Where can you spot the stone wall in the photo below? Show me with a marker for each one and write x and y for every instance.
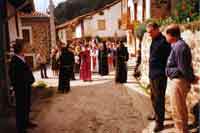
(40, 30)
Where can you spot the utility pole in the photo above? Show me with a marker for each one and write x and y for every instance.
(52, 23)
(3, 64)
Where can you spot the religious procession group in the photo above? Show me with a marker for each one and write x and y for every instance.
(88, 57)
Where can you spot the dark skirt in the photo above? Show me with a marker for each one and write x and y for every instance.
(103, 67)
(65, 75)
(77, 68)
(55, 64)
(121, 73)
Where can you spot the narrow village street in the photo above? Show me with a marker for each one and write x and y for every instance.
(105, 43)
(100, 106)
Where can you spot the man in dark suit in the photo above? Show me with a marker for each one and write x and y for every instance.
(21, 78)
(159, 52)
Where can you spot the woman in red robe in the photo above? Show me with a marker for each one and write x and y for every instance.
(85, 66)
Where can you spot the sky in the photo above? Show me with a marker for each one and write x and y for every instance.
(42, 5)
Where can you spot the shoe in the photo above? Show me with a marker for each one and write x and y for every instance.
(31, 125)
(158, 128)
(151, 117)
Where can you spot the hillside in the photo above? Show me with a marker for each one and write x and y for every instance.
(72, 8)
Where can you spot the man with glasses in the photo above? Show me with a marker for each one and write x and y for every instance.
(159, 52)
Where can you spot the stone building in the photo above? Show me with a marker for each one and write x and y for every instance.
(35, 30)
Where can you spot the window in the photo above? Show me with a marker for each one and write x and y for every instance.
(101, 25)
(27, 35)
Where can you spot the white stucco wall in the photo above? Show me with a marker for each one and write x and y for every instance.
(89, 27)
(62, 35)
(139, 10)
(78, 31)
(111, 16)
(148, 9)
(131, 5)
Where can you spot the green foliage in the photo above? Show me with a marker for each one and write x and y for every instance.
(183, 10)
(40, 84)
(186, 11)
(140, 30)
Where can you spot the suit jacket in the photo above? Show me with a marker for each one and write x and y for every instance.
(21, 75)
(159, 52)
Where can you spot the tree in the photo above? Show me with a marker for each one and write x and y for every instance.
(72, 8)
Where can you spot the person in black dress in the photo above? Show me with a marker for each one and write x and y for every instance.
(103, 60)
(66, 69)
(121, 68)
(21, 78)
